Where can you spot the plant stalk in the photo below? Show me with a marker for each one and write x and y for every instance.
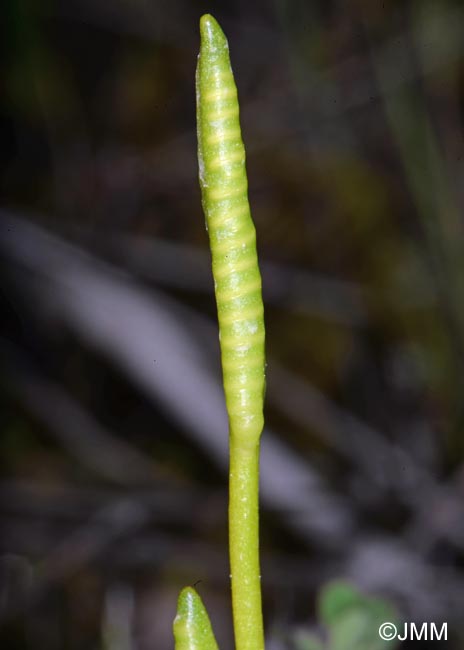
(244, 545)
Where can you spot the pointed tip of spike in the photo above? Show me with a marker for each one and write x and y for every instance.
(211, 33)
(208, 24)
(186, 598)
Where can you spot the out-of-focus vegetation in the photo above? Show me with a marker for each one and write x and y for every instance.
(114, 435)
(352, 621)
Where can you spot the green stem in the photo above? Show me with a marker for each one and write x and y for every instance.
(237, 280)
(244, 545)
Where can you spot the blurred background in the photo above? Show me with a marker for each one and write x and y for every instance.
(113, 428)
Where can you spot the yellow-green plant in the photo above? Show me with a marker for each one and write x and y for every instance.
(237, 280)
(192, 627)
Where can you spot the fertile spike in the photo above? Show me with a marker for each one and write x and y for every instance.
(224, 187)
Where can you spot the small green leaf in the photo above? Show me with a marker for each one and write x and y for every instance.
(353, 619)
(335, 598)
(355, 631)
(192, 627)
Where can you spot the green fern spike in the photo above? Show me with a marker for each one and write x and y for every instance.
(237, 280)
